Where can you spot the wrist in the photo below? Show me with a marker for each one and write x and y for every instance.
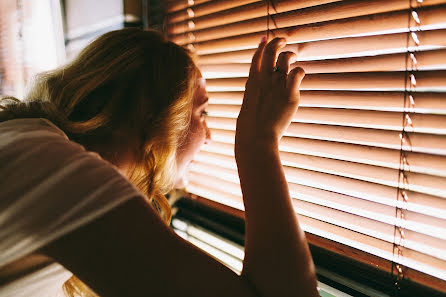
(255, 149)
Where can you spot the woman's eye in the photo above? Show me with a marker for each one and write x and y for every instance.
(204, 113)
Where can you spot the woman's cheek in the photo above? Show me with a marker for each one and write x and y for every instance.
(199, 137)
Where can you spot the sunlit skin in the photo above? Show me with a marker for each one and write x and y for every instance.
(198, 133)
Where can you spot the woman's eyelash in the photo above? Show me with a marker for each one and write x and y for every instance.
(204, 113)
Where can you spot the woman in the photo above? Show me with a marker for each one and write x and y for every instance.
(139, 102)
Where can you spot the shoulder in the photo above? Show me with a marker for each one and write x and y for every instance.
(50, 186)
(36, 147)
(26, 126)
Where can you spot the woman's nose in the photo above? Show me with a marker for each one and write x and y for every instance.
(208, 134)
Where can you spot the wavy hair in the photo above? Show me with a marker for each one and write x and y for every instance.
(127, 93)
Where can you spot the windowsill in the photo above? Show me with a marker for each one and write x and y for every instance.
(339, 266)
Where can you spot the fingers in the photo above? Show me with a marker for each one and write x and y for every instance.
(283, 66)
(284, 61)
(293, 83)
(270, 55)
(256, 59)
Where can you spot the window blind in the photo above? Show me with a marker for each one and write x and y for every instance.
(365, 155)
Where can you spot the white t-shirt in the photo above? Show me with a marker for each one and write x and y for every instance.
(49, 186)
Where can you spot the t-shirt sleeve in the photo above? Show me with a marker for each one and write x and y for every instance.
(49, 187)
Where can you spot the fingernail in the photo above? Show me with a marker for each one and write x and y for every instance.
(293, 59)
(263, 39)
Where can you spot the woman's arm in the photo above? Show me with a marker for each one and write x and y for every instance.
(277, 259)
(131, 252)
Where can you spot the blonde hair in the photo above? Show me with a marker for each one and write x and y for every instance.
(128, 91)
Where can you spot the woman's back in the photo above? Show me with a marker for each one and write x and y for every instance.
(50, 186)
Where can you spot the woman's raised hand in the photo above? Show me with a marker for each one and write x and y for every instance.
(271, 97)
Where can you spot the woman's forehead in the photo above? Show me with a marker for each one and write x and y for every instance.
(201, 95)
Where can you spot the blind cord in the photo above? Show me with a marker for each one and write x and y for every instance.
(267, 19)
(270, 17)
(403, 182)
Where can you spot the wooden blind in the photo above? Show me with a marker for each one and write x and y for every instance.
(365, 155)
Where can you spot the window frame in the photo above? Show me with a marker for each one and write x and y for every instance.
(342, 267)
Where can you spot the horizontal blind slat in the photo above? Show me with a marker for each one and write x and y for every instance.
(322, 49)
(421, 123)
(390, 80)
(432, 59)
(324, 13)
(175, 5)
(425, 102)
(200, 8)
(240, 13)
(389, 22)
(421, 143)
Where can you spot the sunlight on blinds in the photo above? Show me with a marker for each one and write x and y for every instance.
(365, 155)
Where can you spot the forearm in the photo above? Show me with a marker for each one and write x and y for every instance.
(277, 258)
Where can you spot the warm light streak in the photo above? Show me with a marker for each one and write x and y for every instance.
(211, 195)
(225, 89)
(345, 224)
(182, 234)
(218, 74)
(219, 150)
(205, 236)
(333, 292)
(420, 89)
(429, 230)
(224, 101)
(218, 242)
(440, 273)
(431, 211)
(231, 262)
(230, 164)
(406, 147)
(180, 225)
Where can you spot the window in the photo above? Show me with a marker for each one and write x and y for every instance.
(365, 155)
(31, 41)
